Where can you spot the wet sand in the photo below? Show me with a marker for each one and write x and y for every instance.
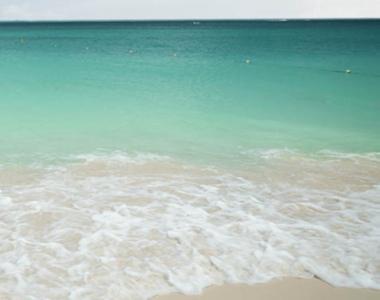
(117, 226)
(294, 289)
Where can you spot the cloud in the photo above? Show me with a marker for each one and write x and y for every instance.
(185, 9)
(26, 10)
(15, 11)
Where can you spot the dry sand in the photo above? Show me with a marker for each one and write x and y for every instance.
(294, 289)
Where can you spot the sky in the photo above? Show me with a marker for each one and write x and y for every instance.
(186, 9)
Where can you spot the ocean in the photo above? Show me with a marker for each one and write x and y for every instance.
(143, 158)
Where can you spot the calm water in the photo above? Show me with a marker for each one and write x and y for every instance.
(145, 158)
(186, 90)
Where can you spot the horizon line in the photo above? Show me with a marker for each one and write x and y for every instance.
(191, 20)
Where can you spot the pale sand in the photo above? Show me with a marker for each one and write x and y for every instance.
(292, 289)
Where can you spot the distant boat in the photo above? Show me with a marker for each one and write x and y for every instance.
(196, 23)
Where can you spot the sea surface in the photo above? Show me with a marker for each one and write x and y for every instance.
(143, 158)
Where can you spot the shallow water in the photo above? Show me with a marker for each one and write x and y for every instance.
(130, 227)
(145, 158)
(78, 87)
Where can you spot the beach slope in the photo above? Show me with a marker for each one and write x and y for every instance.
(295, 289)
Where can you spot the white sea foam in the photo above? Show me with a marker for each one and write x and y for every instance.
(131, 227)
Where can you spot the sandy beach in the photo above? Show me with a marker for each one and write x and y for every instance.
(290, 288)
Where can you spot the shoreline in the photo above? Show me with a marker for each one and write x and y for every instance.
(287, 288)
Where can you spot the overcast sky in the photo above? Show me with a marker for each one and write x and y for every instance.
(185, 9)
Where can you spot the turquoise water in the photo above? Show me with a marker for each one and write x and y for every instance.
(139, 159)
(180, 89)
